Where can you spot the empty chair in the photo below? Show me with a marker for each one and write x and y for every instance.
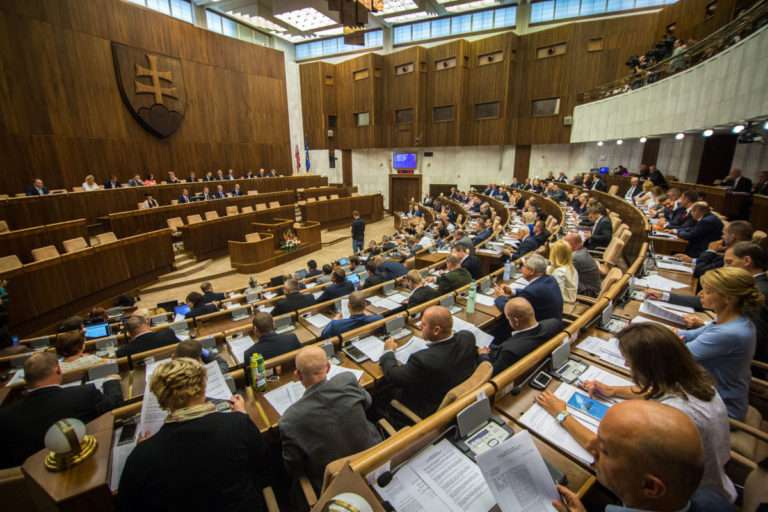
(74, 244)
(212, 214)
(322, 198)
(253, 192)
(45, 253)
(261, 207)
(311, 199)
(175, 223)
(232, 210)
(194, 219)
(334, 196)
(247, 209)
(612, 257)
(252, 237)
(106, 238)
(274, 204)
(10, 262)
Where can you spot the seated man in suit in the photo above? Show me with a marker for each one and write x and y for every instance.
(184, 197)
(328, 422)
(707, 229)
(143, 338)
(733, 232)
(459, 237)
(590, 280)
(219, 194)
(37, 188)
(484, 233)
(736, 182)
(455, 276)
(149, 201)
(208, 294)
(230, 175)
(327, 274)
(206, 195)
(172, 178)
(528, 243)
(192, 177)
(449, 359)
(357, 318)
(198, 306)
(388, 270)
(268, 343)
(339, 286)
(373, 278)
(542, 290)
(420, 291)
(527, 335)
(602, 230)
(237, 191)
(136, 181)
(469, 262)
(113, 182)
(23, 423)
(634, 189)
(598, 184)
(540, 232)
(293, 300)
(656, 177)
(681, 214)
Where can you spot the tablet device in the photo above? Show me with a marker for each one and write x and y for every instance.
(96, 330)
(588, 406)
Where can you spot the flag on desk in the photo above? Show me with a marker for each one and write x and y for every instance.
(298, 160)
(306, 157)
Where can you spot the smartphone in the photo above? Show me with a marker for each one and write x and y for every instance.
(588, 406)
(127, 434)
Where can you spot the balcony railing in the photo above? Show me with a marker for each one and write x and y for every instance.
(726, 36)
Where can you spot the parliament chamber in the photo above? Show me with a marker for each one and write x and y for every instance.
(384, 255)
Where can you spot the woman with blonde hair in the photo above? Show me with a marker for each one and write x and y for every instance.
(726, 346)
(646, 194)
(200, 459)
(562, 269)
(90, 183)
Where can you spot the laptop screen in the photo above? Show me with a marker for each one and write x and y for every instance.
(353, 278)
(96, 330)
(344, 262)
(182, 309)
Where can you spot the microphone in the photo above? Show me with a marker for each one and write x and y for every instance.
(517, 389)
(386, 477)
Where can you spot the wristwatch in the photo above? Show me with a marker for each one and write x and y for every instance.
(560, 418)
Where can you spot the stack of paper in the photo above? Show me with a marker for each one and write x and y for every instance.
(336, 369)
(658, 310)
(383, 302)
(415, 344)
(18, 378)
(485, 300)
(371, 346)
(399, 298)
(482, 338)
(606, 350)
(238, 346)
(678, 267)
(318, 320)
(658, 282)
(285, 396)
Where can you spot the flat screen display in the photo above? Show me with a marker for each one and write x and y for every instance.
(96, 331)
(182, 309)
(403, 160)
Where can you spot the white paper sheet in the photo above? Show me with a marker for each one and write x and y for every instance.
(238, 346)
(371, 346)
(119, 456)
(606, 350)
(400, 298)
(658, 282)
(18, 378)
(336, 369)
(677, 267)
(318, 320)
(415, 344)
(383, 302)
(656, 309)
(517, 475)
(482, 338)
(283, 397)
(217, 386)
(317, 295)
(485, 300)
(407, 492)
(594, 373)
(152, 415)
(266, 309)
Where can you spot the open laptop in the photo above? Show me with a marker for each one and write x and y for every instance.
(301, 274)
(98, 330)
(168, 306)
(388, 289)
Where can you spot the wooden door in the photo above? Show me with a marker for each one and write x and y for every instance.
(346, 167)
(403, 187)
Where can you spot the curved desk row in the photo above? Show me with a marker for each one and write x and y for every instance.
(21, 242)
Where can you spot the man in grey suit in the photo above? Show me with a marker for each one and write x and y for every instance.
(589, 275)
(328, 422)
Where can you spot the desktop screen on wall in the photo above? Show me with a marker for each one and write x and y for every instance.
(403, 160)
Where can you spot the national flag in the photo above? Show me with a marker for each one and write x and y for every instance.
(306, 157)
(298, 160)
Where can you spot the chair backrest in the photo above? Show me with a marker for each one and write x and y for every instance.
(252, 237)
(174, 201)
(10, 262)
(74, 244)
(194, 219)
(311, 199)
(212, 214)
(108, 237)
(253, 192)
(77, 189)
(480, 376)
(142, 205)
(232, 210)
(274, 204)
(334, 196)
(610, 279)
(174, 223)
(322, 198)
(45, 253)
(3, 226)
(625, 235)
(615, 223)
(613, 190)
(620, 230)
(261, 207)
(613, 252)
(755, 490)
(247, 209)
(15, 492)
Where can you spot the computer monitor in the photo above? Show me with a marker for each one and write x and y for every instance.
(344, 262)
(182, 309)
(99, 330)
(405, 161)
(301, 274)
(603, 170)
(354, 279)
(276, 281)
(168, 306)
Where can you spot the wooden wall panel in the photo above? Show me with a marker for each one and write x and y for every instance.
(312, 105)
(405, 91)
(62, 117)
(447, 87)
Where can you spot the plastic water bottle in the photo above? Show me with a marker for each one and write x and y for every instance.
(507, 271)
(258, 372)
(471, 298)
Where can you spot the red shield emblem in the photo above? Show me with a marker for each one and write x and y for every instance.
(152, 87)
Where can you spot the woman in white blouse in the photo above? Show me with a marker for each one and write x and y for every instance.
(70, 347)
(562, 269)
(90, 183)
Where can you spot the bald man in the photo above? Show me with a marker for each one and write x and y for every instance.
(590, 281)
(328, 422)
(449, 359)
(527, 335)
(649, 455)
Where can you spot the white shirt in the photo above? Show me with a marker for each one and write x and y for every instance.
(568, 280)
(88, 187)
(628, 195)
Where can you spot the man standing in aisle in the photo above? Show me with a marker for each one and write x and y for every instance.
(358, 232)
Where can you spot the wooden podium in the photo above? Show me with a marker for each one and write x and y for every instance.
(403, 187)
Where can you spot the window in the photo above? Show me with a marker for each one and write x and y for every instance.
(402, 34)
(461, 24)
(546, 107)
(159, 5)
(421, 31)
(441, 27)
(404, 116)
(442, 114)
(549, 10)
(504, 17)
(336, 45)
(482, 21)
(487, 110)
(361, 119)
(567, 8)
(445, 26)
(182, 10)
(213, 21)
(595, 44)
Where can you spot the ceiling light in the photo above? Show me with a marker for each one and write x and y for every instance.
(410, 17)
(599, 143)
(477, 4)
(305, 19)
(391, 6)
(738, 128)
(619, 142)
(680, 136)
(258, 21)
(708, 132)
(643, 140)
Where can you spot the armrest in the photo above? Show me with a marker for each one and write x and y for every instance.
(585, 298)
(759, 364)
(387, 427)
(742, 460)
(309, 492)
(405, 411)
(749, 429)
(759, 382)
(270, 500)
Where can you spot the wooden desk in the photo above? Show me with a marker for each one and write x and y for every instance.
(670, 246)
(338, 212)
(21, 241)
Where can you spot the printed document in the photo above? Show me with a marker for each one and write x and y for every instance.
(285, 396)
(318, 320)
(336, 369)
(482, 338)
(238, 346)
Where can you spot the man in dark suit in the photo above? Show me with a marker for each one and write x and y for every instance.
(113, 182)
(312, 269)
(328, 422)
(237, 191)
(219, 194)
(269, 344)
(469, 262)
(358, 232)
(209, 295)
(542, 291)
(373, 278)
(142, 337)
(598, 184)
(708, 228)
(681, 216)
(184, 197)
(455, 276)
(527, 335)
(562, 178)
(389, 269)
(656, 177)
(293, 300)
(206, 195)
(198, 307)
(483, 234)
(528, 243)
(634, 189)
(420, 291)
(602, 230)
(449, 359)
(23, 423)
(734, 232)
(357, 318)
(37, 188)
(338, 288)
(736, 182)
